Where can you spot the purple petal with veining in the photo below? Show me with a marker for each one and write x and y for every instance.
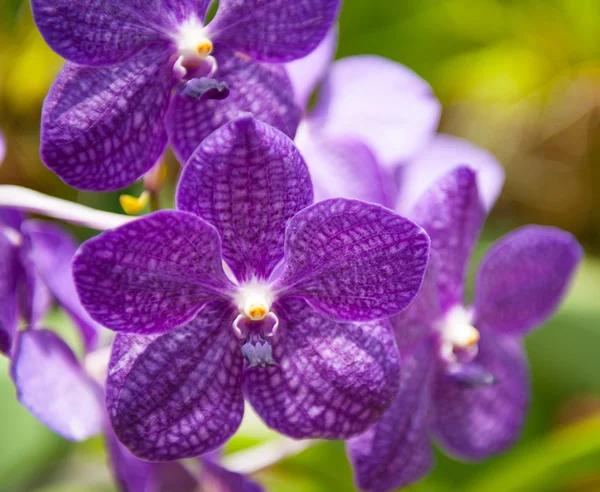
(353, 260)
(54, 387)
(259, 88)
(177, 395)
(102, 128)
(440, 156)
(380, 102)
(10, 273)
(152, 274)
(90, 32)
(306, 73)
(273, 31)
(524, 277)
(475, 423)
(396, 451)
(248, 180)
(415, 323)
(452, 215)
(344, 167)
(214, 477)
(332, 380)
(53, 250)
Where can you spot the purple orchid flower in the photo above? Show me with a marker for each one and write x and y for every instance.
(465, 379)
(177, 378)
(105, 122)
(383, 148)
(35, 266)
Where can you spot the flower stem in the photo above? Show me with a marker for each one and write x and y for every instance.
(34, 202)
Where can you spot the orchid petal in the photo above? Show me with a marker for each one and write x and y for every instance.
(177, 395)
(332, 380)
(306, 73)
(10, 273)
(215, 477)
(353, 260)
(248, 180)
(440, 156)
(259, 88)
(380, 102)
(54, 387)
(452, 215)
(524, 277)
(273, 31)
(152, 274)
(53, 250)
(396, 451)
(102, 128)
(476, 422)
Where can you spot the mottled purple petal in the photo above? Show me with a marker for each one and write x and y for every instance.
(53, 250)
(91, 32)
(54, 387)
(332, 380)
(274, 30)
(344, 167)
(396, 451)
(214, 477)
(259, 88)
(452, 215)
(130, 473)
(306, 73)
(439, 157)
(524, 277)
(179, 394)
(102, 128)
(10, 273)
(380, 102)
(475, 423)
(248, 180)
(415, 322)
(353, 260)
(152, 274)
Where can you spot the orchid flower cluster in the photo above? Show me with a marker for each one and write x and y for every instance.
(314, 265)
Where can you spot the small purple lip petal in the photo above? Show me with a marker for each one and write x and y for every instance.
(53, 250)
(332, 380)
(102, 127)
(524, 277)
(10, 274)
(352, 260)
(470, 375)
(259, 88)
(204, 89)
(343, 167)
(381, 103)
(274, 31)
(452, 214)
(247, 179)
(474, 423)
(214, 477)
(54, 387)
(306, 73)
(440, 156)
(177, 395)
(152, 274)
(396, 451)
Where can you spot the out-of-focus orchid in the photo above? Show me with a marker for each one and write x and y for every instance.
(175, 379)
(35, 266)
(104, 120)
(465, 380)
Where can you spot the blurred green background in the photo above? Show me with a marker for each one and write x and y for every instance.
(521, 78)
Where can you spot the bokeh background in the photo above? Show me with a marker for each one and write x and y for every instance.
(520, 78)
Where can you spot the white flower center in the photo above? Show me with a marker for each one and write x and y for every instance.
(194, 48)
(458, 333)
(254, 300)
